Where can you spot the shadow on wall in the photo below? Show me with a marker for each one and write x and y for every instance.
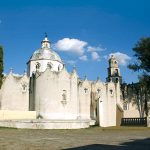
(143, 144)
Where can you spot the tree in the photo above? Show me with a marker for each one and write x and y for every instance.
(142, 54)
(1, 65)
(137, 94)
(144, 82)
(141, 89)
(132, 93)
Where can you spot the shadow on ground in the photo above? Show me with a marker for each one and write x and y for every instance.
(143, 144)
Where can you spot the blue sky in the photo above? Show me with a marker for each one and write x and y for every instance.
(98, 27)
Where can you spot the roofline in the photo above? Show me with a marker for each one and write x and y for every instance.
(43, 59)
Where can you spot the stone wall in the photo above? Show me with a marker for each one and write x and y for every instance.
(43, 65)
(56, 95)
(119, 115)
(111, 102)
(84, 90)
(9, 115)
(61, 96)
(14, 93)
(131, 111)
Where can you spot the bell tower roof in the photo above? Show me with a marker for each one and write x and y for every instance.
(113, 62)
(113, 70)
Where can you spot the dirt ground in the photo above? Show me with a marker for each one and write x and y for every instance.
(82, 139)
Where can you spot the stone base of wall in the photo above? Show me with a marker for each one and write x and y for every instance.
(47, 124)
(16, 114)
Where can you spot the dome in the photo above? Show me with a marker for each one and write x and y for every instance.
(45, 52)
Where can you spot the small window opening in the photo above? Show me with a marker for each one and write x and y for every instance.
(38, 65)
(98, 91)
(85, 90)
(111, 91)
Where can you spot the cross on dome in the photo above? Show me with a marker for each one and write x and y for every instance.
(45, 42)
(46, 34)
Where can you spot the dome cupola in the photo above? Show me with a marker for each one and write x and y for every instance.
(44, 57)
(45, 42)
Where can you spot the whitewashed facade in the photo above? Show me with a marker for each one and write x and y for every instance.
(59, 97)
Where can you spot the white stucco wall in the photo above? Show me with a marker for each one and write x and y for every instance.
(102, 104)
(83, 99)
(84, 90)
(132, 111)
(13, 95)
(106, 103)
(111, 104)
(56, 65)
(49, 102)
(15, 114)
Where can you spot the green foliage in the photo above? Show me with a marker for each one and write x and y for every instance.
(144, 81)
(140, 91)
(142, 53)
(1, 65)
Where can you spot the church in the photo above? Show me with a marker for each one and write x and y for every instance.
(49, 97)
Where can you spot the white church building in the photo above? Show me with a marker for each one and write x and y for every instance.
(49, 97)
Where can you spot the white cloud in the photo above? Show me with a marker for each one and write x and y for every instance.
(84, 58)
(121, 58)
(95, 56)
(92, 48)
(14, 74)
(71, 45)
(17, 75)
(71, 62)
(105, 57)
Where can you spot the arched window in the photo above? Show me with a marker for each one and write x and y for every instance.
(64, 98)
(111, 92)
(117, 80)
(59, 67)
(64, 95)
(116, 72)
(49, 65)
(125, 106)
(37, 66)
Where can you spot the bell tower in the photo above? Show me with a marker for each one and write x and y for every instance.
(113, 71)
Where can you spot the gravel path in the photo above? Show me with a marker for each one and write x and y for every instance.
(82, 139)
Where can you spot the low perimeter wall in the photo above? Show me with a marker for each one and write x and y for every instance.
(46, 124)
(9, 115)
